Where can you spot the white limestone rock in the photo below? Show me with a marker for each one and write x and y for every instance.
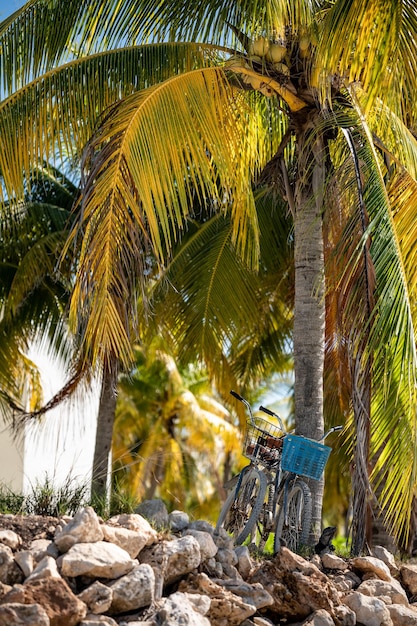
(369, 611)
(98, 597)
(99, 560)
(83, 528)
(134, 590)
(370, 564)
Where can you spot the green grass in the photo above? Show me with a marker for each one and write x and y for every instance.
(47, 499)
(10, 502)
(342, 546)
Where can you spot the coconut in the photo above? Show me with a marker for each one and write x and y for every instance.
(304, 42)
(276, 52)
(281, 68)
(235, 61)
(260, 47)
(256, 59)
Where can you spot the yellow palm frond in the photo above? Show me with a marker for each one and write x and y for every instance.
(140, 183)
(57, 114)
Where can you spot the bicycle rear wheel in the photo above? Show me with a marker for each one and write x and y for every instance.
(294, 516)
(241, 510)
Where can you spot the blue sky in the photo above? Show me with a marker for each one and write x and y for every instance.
(7, 7)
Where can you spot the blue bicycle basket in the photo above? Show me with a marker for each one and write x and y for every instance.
(304, 457)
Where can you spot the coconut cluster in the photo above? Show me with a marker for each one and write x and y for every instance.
(269, 58)
(266, 58)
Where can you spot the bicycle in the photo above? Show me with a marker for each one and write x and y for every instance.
(268, 494)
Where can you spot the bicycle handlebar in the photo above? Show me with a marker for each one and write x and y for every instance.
(269, 412)
(247, 405)
(272, 414)
(332, 430)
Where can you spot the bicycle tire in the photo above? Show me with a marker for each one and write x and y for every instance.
(241, 510)
(294, 516)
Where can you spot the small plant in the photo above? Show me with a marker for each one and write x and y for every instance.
(48, 499)
(11, 503)
(121, 501)
(342, 546)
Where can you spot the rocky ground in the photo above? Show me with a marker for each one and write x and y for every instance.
(82, 571)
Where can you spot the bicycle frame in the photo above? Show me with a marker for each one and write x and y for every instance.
(269, 496)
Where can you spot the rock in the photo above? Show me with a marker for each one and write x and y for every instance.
(61, 605)
(261, 621)
(297, 587)
(10, 572)
(196, 577)
(244, 561)
(178, 521)
(44, 569)
(201, 603)
(402, 615)
(384, 555)
(226, 609)
(333, 562)
(344, 616)
(97, 597)
(10, 538)
(129, 540)
(155, 512)
(213, 568)
(99, 560)
(25, 561)
(346, 581)
(408, 574)
(137, 523)
(370, 564)
(251, 594)
(83, 528)
(369, 611)
(176, 557)
(208, 548)
(319, 618)
(227, 556)
(14, 614)
(389, 592)
(222, 539)
(201, 524)
(99, 620)
(134, 590)
(42, 547)
(177, 610)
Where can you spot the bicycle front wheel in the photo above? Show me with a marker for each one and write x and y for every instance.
(242, 508)
(294, 516)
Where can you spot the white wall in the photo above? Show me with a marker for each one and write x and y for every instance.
(60, 446)
(11, 461)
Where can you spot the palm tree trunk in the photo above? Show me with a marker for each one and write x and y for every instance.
(100, 483)
(309, 303)
(361, 491)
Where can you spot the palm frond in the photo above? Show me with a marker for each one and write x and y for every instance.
(371, 45)
(389, 323)
(60, 114)
(138, 189)
(218, 311)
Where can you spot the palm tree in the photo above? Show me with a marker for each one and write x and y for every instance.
(172, 439)
(32, 295)
(237, 321)
(322, 124)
